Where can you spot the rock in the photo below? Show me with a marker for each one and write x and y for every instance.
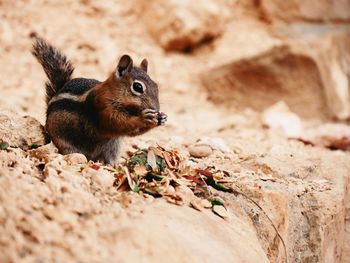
(102, 178)
(49, 171)
(45, 153)
(313, 11)
(200, 150)
(206, 204)
(185, 193)
(220, 211)
(330, 135)
(332, 55)
(279, 116)
(75, 158)
(215, 143)
(262, 80)
(24, 132)
(197, 204)
(185, 25)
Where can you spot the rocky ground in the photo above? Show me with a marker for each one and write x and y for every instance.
(255, 148)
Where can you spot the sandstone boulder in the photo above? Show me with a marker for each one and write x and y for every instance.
(332, 54)
(182, 25)
(260, 81)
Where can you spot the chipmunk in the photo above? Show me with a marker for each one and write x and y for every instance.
(90, 117)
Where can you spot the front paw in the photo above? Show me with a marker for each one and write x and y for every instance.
(150, 117)
(153, 117)
(162, 118)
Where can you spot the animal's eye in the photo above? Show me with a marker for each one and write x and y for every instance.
(138, 88)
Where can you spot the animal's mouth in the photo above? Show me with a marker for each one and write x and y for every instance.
(133, 110)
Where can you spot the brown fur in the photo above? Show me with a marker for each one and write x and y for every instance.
(110, 102)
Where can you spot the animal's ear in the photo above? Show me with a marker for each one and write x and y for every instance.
(124, 65)
(144, 64)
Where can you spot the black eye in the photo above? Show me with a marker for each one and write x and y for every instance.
(138, 88)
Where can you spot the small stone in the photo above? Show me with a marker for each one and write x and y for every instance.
(75, 158)
(200, 150)
(103, 178)
(220, 211)
(279, 116)
(206, 203)
(185, 193)
(215, 143)
(45, 153)
(170, 190)
(49, 171)
(197, 204)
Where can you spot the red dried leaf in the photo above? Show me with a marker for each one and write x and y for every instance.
(95, 166)
(206, 173)
(168, 160)
(194, 179)
(119, 176)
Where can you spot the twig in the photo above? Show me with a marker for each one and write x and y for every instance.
(206, 186)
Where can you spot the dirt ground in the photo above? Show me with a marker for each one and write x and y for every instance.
(294, 206)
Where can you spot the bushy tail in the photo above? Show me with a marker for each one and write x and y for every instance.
(57, 67)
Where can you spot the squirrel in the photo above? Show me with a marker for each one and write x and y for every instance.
(89, 116)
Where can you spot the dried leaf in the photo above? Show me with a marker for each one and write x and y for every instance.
(206, 173)
(156, 176)
(218, 176)
(173, 159)
(217, 201)
(95, 166)
(132, 184)
(168, 160)
(175, 199)
(194, 179)
(34, 146)
(140, 170)
(152, 160)
(161, 164)
(139, 157)
(122, 183)
(157, 151)
(152, 192)
(217, 186)
(173, 175)
(220, 211)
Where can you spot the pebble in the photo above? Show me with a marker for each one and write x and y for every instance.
(215, 143)
(200, 150)
(45, 153)
(103, 178)
(220, 211)
(75, 158)
(197, 204)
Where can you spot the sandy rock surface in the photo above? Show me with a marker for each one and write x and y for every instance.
(219, 65)
(24, 132)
